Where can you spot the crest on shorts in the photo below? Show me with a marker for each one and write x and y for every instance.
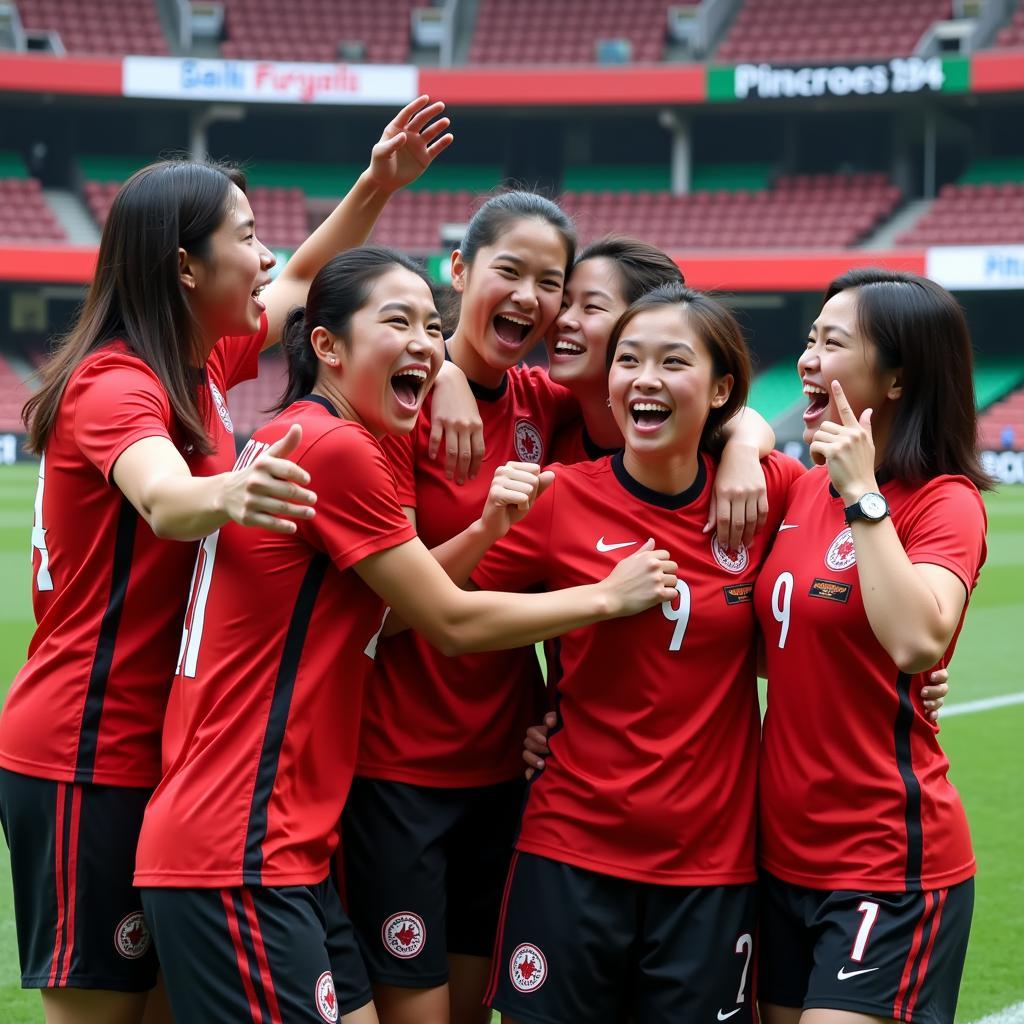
(404, 935)
(842, 553)
(730, 563)
(326, 997)
(131, 937)
(529, 444)
(222, 408)
(527, 968)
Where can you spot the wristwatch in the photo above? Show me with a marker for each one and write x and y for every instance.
(871, 506)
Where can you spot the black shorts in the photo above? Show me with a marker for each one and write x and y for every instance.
(896, 955)
(78, 917)
(424, 870)
(575, 945)
(257, 953)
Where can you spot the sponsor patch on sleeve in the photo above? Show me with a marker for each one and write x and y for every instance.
(739, 593)
(830, 590)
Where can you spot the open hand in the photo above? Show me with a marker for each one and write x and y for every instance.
(409, 144)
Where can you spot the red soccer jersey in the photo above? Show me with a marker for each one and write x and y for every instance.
(108, 594)
(278, 641)
(573, 444)
(437, 721)
(653, 766)
(854, 793)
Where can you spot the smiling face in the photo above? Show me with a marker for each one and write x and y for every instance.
(662, 383)
(837, 350)
(385, 371)
(511, 293)
(578, 342)
(223, 286)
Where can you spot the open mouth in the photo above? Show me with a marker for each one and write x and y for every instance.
(256, 292)
(408, 385)
(649, 415)
(566, 347)
(817, 401)
(511, 329)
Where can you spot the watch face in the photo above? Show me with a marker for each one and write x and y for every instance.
(873, 506)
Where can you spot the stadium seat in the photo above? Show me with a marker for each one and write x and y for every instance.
(25, 215)
(13, 395)
(107, 28)
(251, 401)
(966, 214)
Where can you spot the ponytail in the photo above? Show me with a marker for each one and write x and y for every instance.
(303, 364)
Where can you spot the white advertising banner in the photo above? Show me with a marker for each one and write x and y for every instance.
(243, 81)
(976, 267)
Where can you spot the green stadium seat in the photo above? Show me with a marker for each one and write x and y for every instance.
(12, 165)
(994, 171)
(732, 177)
(618, 178)
(996, 376)
(775, 391)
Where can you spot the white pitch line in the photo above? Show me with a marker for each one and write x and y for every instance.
(970, 706)
(1008, 1015)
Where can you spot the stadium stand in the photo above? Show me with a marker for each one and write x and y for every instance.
(107, 28)
(775, 390)
(801, 31)
(24, 213)
(13, 395)
(567, 32)
(971, 214)
(1001, 427)
(1011, 35)
(251, 400)
(801, 210)
(375, 31)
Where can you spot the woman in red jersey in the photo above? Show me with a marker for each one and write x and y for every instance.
(234, 851)
(136, 453)
(632, 892)
(429, 824)
(868, 871)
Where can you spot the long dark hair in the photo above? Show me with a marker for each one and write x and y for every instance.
(339, 290)
(136, 294)
(917, 327)
(722, 337)
(641, 267)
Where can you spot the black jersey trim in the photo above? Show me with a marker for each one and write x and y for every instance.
(911, 785)
(480, 392)
(594, 450)
(321, 401)
(103, 659)
(645, 494)
(277, 720)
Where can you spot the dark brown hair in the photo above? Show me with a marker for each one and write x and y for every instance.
(917, 327)
(136, 295)
(500, 212)
(641, 267)
(721, 335)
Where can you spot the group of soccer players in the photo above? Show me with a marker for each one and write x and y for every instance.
(175, 757)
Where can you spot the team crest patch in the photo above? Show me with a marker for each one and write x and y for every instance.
(730, 563)
(222, 408)
(529, 446)
(830, 590)
(404, 935)
(326, 997)
(842, 553)
(528, 969)
(131, 937)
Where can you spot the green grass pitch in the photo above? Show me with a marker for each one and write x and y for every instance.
(984, 747)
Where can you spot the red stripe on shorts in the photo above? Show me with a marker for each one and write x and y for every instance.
(937, 918)
(241, 957)
(72, 881)
(261, 957)
(492, 983)
(902, 993)
(59, 885)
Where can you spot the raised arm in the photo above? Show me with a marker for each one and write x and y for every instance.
(406, 149)
(455, 621)
(913, 608)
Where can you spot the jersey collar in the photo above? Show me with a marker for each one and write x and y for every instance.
(645, 494)
(481, 393)
(320, 400)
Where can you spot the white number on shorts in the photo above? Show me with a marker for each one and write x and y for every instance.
(782, 597)
(744, 944)
(679, 614)
(43, 579)
(870, 912)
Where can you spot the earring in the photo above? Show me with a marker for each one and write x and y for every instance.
(332, 361)
(608, 401)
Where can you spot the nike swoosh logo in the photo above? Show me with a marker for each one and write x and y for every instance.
(726, 1016)
(788, 526)
(844, 973)
(601, 546)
